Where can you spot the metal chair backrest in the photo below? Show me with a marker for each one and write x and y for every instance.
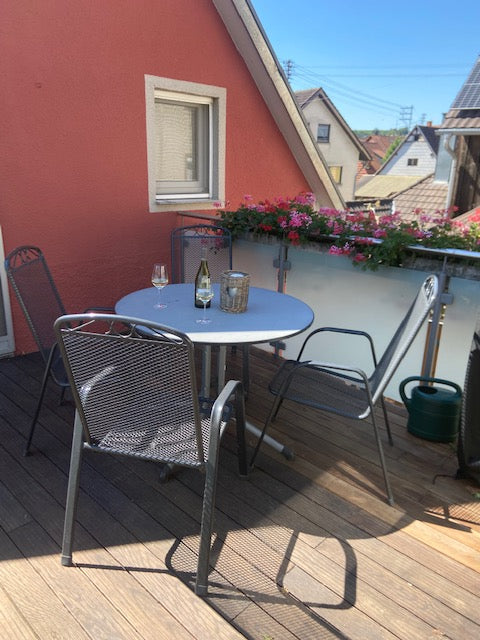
(404, 336)
(36, 292)
(134, 387)
(187, 244)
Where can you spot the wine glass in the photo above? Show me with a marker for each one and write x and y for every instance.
(159, 281)
(204, 293)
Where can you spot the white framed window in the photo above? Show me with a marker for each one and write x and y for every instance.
(185, 144)
(323, 133)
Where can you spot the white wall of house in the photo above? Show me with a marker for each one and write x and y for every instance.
(340, 150)
(414, 157)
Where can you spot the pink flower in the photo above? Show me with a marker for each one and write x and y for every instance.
(335, 251)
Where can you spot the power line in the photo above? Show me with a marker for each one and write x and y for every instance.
(345, 94)
(387, 66)
(376, 99)
(399, 75)
(353, 97)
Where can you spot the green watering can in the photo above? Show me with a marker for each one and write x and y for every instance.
(434, 412)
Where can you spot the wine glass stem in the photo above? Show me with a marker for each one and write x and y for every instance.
(204, 310)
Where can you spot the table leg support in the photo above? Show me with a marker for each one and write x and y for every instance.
(206, 371)
(221, 371)
(278, 446)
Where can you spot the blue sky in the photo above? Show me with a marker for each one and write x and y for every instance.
(376, 59)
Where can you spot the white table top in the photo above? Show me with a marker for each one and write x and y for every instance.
(269, 316)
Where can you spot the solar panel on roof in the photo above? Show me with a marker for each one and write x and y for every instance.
(469, 95)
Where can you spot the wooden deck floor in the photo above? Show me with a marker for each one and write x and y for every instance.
(307, 549)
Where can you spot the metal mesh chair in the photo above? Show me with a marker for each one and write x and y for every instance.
(187, 244)
(135, 395)
(35, 289)
(347, 390)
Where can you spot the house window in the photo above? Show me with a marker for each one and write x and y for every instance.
(412, 162)
(336, 172)
(185, 144)
(323, 133)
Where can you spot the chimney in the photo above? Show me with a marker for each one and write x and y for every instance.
(429, 123)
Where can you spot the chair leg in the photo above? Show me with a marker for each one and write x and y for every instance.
(72, 492)
(273, 412)
(201, 582)
(387, 422)
(382, 460)
(39, 405)
(240, 423)
(246, 369)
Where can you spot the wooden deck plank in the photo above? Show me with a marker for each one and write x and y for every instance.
(333, 529)
(39, 605)
(12, 622)
(178, 604)
(303, 549)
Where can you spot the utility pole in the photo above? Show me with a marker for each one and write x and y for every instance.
(406, 114)
(288, 68)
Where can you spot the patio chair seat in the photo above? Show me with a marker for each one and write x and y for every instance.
(347, 398)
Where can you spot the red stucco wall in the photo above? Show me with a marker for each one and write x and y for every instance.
(73, 163)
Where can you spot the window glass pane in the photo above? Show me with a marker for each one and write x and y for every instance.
(323, 133)
(181, 146)
(336, 172)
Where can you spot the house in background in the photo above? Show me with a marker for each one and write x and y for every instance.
(459, 150)
(415, 156)
(377, 145)
(338, 144)
(102, 157)
(408, 176)
(456, 178)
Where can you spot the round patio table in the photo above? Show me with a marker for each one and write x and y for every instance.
(270, 316)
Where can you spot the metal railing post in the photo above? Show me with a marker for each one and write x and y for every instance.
(283, 265)
(435, 323)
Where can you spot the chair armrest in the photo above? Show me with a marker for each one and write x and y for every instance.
(330, 366)
(327, 367)
(232, 388)
(355, 332)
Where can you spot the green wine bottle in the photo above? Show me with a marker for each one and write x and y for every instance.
(202, 279)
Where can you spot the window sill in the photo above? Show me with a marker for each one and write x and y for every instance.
(183, 204)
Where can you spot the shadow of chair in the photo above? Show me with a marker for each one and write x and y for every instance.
(35, 289)
(187, 246)
(135, 395)
(347, 390)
